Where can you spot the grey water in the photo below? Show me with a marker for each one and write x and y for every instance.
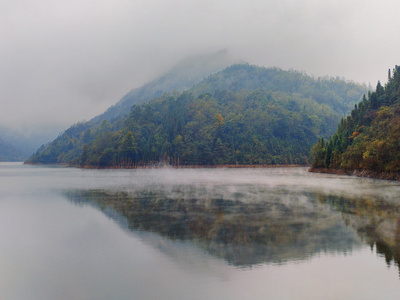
(268, 233)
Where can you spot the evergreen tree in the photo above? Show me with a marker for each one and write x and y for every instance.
(369, 138)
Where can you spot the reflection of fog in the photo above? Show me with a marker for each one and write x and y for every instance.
(376, 220)
(53, 250)
(249, 216)
(266, 226)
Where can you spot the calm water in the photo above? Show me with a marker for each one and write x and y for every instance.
(279, 233)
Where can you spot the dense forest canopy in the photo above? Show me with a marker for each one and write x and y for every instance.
(243, 115)
(369, 138)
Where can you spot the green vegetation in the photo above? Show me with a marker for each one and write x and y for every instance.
(369, 138)
(243, 115)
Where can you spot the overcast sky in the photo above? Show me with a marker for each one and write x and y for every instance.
(65, 61)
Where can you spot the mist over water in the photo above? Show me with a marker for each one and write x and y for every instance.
(169, 233)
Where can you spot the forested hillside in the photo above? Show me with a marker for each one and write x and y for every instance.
(369, 138)
(339, 94)
(243, 115)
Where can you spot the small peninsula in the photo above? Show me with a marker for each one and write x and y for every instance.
(367, 142)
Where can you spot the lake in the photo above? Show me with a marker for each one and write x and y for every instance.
(276, 233)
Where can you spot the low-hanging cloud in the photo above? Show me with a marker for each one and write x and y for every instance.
(62, 62)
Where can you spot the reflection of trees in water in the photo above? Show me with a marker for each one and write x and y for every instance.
(376, 220)
(284, 226)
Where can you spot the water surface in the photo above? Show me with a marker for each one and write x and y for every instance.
(279, 233)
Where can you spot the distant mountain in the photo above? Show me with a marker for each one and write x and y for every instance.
(25, 144)
(367, 140)
(9, 153)
(242, 115)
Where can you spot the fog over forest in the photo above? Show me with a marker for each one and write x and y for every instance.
(65, 62)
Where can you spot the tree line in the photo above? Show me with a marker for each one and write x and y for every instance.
(244, 115)
(369, 138)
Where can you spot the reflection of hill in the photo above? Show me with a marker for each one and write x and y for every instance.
(376, 220)
(283, 226)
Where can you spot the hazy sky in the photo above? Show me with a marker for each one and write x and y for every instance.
(65, 61)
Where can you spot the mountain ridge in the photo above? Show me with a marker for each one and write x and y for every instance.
(225, 124)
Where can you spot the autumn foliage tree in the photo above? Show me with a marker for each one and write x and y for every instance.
(369, 138)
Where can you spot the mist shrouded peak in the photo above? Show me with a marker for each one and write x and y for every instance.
(183, 76)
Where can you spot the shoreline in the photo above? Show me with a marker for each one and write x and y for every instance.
(161, 166)
(359, 173)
